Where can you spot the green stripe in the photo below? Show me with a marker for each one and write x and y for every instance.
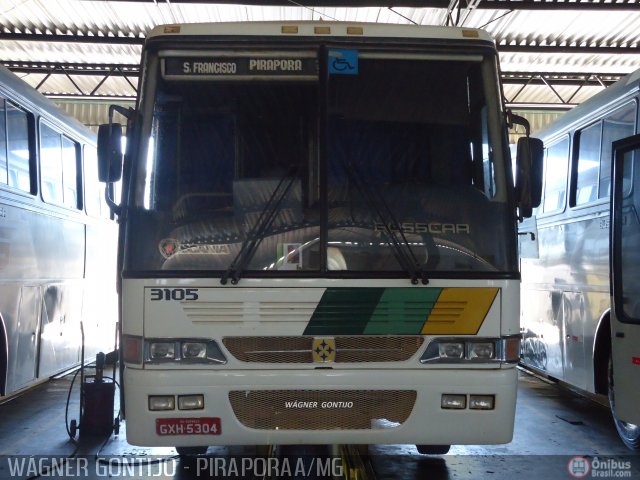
(344, 311)
(372, 311)
(402, 311)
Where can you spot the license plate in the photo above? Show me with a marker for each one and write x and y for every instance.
(188, 426)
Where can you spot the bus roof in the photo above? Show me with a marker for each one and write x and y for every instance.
(16, 89)
(593, 107)
(321, 29)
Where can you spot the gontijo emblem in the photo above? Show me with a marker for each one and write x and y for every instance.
(324, 350)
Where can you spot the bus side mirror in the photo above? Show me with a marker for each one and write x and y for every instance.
(109, 152)
(529, 158)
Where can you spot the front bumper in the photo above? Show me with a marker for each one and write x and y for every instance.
(427, 423)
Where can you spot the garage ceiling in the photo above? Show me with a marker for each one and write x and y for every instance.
(553, 53)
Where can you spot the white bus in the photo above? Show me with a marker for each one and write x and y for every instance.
(318, 238)
(57, 241)
(569, 331)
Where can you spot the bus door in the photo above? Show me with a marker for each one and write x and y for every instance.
(625, 269)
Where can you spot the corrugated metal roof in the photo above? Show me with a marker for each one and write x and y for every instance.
(542, 94)
(577, 40)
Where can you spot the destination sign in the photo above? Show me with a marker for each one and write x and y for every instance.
(216, 67)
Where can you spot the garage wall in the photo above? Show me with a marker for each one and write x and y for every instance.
(91, 113)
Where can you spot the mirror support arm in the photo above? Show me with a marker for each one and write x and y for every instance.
(113, 206)
(513, 119)
(126, 112)
(529, 159)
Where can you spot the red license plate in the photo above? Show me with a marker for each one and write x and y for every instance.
(188, 426)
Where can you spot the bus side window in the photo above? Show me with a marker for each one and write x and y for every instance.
(51, 164)
(70, 172)
(588, 164)
(18, 154)
(620, 124)
(59, 164)
(94, 190)
(555, 175)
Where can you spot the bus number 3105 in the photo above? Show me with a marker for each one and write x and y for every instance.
(178, 294)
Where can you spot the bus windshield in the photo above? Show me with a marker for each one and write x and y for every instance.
(347, 165)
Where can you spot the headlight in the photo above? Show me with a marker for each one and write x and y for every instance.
(472, 350)
(162, 351)
(451, 349)
(481, 350)
(190, 351)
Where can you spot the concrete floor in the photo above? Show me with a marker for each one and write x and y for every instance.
(552, 426)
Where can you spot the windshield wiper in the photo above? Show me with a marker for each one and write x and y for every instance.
(264, 222)
(401, 247)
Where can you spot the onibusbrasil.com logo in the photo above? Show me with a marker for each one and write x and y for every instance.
(584, 467)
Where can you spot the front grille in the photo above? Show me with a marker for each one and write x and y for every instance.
(322, 409)
(354, 349)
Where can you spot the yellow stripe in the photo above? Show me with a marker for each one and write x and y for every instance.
(459, 311)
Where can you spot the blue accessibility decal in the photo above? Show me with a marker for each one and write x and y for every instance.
(343, 62)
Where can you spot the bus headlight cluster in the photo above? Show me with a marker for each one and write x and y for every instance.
(472, 350)
(183, 350)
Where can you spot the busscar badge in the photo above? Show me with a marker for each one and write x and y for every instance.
(168, 247)
(324, 350)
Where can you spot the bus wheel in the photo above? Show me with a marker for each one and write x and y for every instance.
(629, 433)
(433, 449)
(191, 451)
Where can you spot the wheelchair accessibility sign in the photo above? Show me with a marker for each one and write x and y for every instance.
(343, 62)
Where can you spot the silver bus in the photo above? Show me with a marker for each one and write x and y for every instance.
(57, 241)
(568, 330)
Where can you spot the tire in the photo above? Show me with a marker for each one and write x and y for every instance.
(628, 432)
(191, 451)
(433, 449)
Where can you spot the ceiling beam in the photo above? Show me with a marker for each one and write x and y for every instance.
(590, 49)
(552, 107)
(131, 72)
(568, 79)
(94, 69)
(71, 38)
(516, 46)
(598, 5)
(576, 5)
(512, 77)
(306, 3)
